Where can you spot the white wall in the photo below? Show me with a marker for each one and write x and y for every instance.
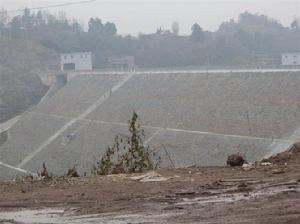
(291, 59)
(82, 61)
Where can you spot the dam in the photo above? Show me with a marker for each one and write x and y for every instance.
(189, 117)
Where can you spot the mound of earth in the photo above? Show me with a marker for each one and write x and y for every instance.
(291, 156)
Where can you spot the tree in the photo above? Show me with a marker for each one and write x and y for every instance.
(175, 28)
(247, 19)
(62, 17)
(16, 26)
(40, 21)
(3, 19)
(27, 19)
(95, 26)
(128, 154)
(51, 20)
(159, 30)
(76, 27)
(294, 24)
(110, 29)
(197, 33)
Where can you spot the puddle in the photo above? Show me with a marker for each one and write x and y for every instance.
(59, 216)
(228, 198)
(45, 216)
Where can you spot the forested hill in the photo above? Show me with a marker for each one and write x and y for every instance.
(251, 40)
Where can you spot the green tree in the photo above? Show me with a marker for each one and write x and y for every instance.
(27, 20)
(40, 20)
(294, 24)
(197, 33)
(16, 26)
(110, 29)
(95, 26)
(3, 20)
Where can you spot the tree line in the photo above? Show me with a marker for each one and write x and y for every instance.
(251, 40)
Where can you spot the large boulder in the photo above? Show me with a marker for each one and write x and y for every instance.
(235, 160)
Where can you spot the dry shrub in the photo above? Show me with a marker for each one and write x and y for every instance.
(72, 172)
(128, 154)
(45, 174)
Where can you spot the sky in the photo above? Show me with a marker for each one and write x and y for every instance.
(145, 16)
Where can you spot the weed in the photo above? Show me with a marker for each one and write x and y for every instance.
(45, 175)
(128, 154)
(72, 172)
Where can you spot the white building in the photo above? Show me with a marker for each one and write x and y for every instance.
(290, 59)
(80, 61)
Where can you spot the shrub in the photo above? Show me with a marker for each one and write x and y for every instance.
(128, 154)
(45, 175)
(72, 172)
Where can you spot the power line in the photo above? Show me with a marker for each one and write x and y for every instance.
(50, 6)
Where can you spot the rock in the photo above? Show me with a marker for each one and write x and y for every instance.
(150, 177)
(247, 167)
(266, 164)
(235, 160)
(265, 160)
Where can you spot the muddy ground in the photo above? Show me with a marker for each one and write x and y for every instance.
(261, 193)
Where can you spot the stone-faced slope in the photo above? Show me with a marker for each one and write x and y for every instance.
(189, 118)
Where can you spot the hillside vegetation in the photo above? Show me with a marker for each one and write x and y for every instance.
(252, 39)
(20, 64)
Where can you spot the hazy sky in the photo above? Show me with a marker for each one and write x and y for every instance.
(134, 16)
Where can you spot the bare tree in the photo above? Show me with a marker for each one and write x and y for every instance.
(4, 18)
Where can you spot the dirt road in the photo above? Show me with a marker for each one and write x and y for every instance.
(261, 193)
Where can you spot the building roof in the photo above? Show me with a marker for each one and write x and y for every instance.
(74, 53)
